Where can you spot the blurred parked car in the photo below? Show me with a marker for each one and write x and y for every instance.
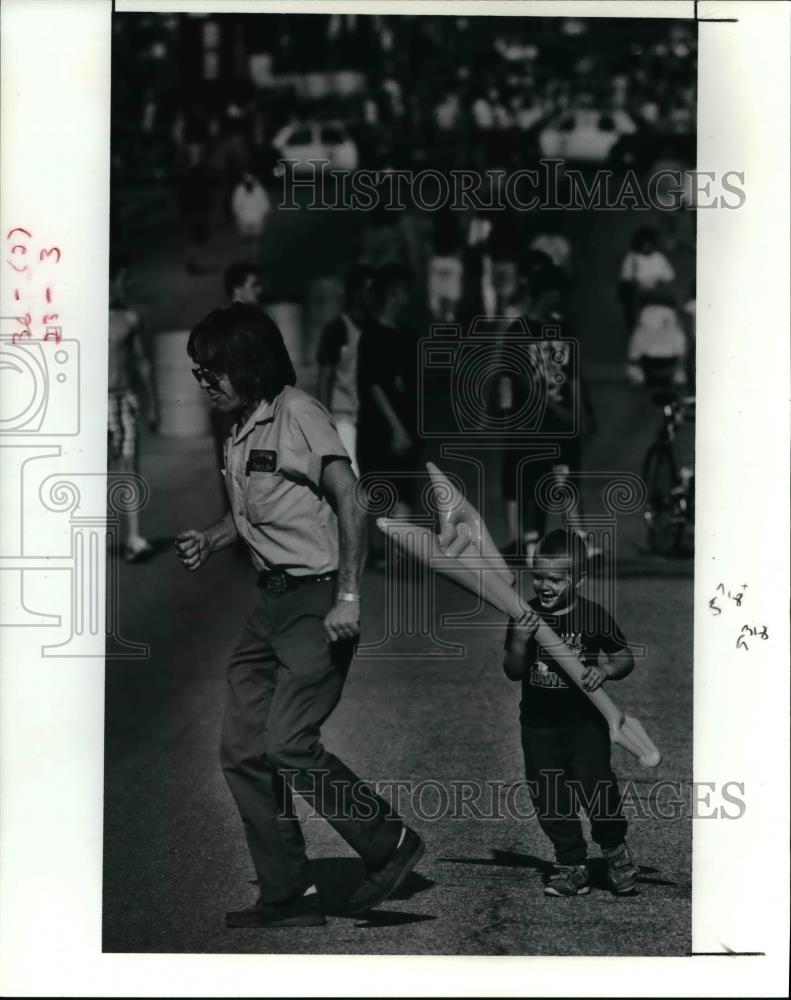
(585, 135)
(306, 141)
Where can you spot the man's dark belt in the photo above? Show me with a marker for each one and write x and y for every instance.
(276, 581)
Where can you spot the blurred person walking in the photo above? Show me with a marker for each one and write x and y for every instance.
(689, 317)
(445, 268)
(242, 283)
(568, 418)
(659, 336)
(387, 438)
(194, 196)
(250, 206)
(129, 369)
(551, 241)
(645, 269)
(337, 357)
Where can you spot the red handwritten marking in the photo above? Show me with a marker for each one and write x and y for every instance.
(51, 332)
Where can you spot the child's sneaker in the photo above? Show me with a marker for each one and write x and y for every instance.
(568, 880)
(621, 869)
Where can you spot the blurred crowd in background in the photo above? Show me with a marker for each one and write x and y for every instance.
(203, 107)
(404, 91)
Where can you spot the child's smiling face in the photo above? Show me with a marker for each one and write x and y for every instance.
(553, 582)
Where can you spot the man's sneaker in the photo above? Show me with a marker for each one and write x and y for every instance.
(621, 870)
(568, 880)
(303, 911)
(378, 885)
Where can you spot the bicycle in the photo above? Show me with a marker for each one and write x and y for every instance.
(669, 511)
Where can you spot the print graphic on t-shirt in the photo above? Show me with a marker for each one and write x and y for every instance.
(542, 675)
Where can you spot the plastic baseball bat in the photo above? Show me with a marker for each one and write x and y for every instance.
(470, 573)
(462, 530)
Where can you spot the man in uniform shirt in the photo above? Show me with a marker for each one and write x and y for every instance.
(292, 501)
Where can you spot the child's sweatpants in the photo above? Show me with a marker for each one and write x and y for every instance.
(568, 769)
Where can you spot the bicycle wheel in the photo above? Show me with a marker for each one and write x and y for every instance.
(664, 518)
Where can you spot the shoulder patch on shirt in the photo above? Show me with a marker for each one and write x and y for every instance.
(261, 461)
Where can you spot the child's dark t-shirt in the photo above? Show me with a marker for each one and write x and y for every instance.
(549, 698)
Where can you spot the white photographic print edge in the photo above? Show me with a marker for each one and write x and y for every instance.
(55, 189)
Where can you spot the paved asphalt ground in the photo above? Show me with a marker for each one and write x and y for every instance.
(175, 858)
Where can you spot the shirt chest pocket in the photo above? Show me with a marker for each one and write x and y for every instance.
(264, 499)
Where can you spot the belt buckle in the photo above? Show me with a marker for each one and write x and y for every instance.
(277, 582)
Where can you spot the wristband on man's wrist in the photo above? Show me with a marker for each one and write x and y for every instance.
(346, 596)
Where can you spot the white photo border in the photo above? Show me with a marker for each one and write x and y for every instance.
(55, 182)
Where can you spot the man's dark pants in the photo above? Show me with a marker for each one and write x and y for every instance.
(568, 768)
(284, 680)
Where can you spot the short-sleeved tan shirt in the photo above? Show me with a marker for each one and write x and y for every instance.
(272, 472)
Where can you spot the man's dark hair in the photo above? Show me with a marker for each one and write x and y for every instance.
(236, 275)
(357, 277)
(389, 276)
(564, 544)
(244, 343)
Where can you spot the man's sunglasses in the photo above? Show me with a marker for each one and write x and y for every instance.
(212, 379)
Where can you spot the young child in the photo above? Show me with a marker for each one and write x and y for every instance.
(564, 737)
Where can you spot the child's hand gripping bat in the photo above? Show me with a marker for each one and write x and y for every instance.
(465, 553)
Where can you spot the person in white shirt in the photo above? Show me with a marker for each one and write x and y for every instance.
(483, 113)
(447, 112)
(658, 336)
(445, 268)
(645, 270)
(555, 245)
(250, 206)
